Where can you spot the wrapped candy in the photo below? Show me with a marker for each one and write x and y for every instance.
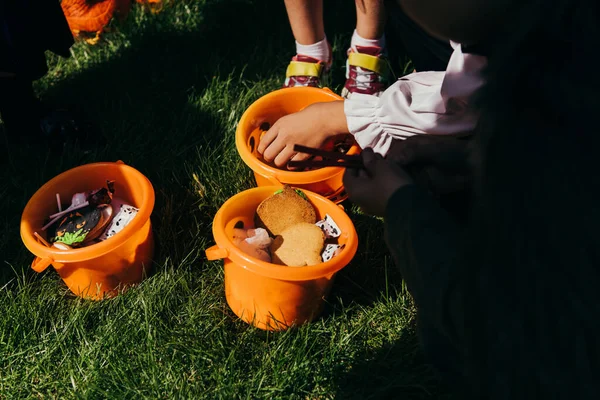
(329, 227)
(120, 220)
(331, 250)
(253, 242)
(331, 231)
(259, 237)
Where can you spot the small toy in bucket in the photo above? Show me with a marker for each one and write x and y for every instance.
(100, 242)
(281, 250)
(88, 219)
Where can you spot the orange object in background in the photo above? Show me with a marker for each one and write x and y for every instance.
(269, 108)
(92, 16)
(271, 296)
(101, 269)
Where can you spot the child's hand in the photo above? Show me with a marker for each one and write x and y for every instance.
(372, 187)
(310, 127)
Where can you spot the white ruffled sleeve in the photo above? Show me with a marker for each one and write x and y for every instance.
(420, 103)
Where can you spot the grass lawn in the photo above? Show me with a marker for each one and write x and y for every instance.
(166, 92)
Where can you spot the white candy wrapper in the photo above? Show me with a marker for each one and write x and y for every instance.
(259, 237)
(331, 231)
(329, 227)
(120, 220)
(331, 250)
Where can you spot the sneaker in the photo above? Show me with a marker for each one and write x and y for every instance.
(366, 71)
(306, 71)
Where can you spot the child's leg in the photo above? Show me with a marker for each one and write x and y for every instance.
(366, 69)
(313, 53)
(306, 20)
(370, 19)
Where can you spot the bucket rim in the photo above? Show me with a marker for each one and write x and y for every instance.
(274, 173)
(98, 249)
(282, 272)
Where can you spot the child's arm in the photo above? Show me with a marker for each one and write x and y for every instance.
(421, 103)
(425, 102)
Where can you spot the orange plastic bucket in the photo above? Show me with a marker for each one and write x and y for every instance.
(269, 108)
(101, 269)
(271, 296)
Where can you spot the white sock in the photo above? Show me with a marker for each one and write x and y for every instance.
(319, 50)
(358, 40)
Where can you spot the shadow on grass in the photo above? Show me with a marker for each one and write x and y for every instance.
(139, 102)
(396, 369)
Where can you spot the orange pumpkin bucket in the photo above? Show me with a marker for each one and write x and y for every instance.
(269, 108)
(271, 296)
(101, 269)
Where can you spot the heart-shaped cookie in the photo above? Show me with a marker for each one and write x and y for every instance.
(298, 245)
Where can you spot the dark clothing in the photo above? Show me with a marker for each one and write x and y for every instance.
(424, 242)
(422, 237)
(426, 52)
(427, 246)
(28, 28)
(511, 309)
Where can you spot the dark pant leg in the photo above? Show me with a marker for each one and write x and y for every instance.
(458, 204)
(404, 36)
(446, 360)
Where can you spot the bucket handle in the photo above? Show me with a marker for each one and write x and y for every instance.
(216, 253)
(274, 181)
(40, 264)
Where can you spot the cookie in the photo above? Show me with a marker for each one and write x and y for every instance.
(298, 245)
(283, 209)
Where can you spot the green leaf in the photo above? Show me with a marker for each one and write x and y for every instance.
(70, 238)
(301, 193)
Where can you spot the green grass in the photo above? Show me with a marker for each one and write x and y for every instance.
(166, 92)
